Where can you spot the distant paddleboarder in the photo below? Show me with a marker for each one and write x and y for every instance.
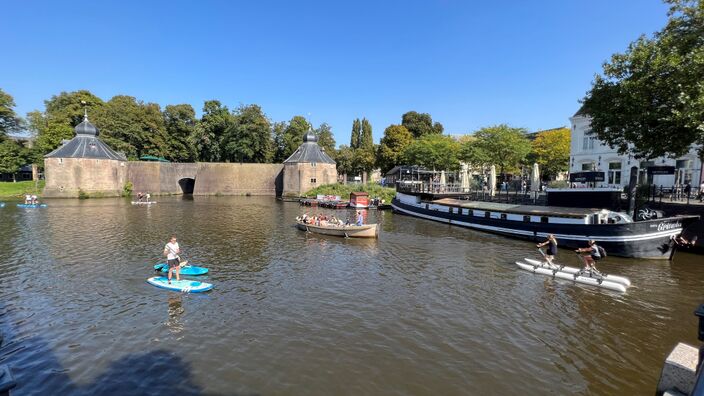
(171, 251)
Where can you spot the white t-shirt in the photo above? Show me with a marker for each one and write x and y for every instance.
(171, 249)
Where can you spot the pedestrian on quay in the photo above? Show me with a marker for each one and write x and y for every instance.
(687, 190)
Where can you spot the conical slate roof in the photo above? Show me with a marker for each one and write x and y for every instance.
(86, 145)
(309, 152)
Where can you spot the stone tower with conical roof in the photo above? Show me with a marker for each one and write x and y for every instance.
(84, 165)
(308, 167)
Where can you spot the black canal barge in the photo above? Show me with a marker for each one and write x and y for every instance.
(573, 227)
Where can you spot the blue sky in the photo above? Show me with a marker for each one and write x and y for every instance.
(468, 63)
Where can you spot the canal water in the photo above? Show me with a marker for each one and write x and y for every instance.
(427, 309)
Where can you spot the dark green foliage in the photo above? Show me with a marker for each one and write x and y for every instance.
(9, 121)
(356, 137)
(499, 145)
(291, 137)
(180, 122)
(345, 160)
(366, 140)
(433, 151)
(248, 139)
(326, 140)
(12, 156)
(396, 139)
(421, 124)
(209, 132)
(650, 99)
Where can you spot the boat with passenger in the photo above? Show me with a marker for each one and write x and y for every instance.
(617, 232)
(348, 231)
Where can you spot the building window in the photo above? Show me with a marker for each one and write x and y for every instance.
(312, 164)
(684, 171)
(614, 173)
(589, 166)
(312, 180)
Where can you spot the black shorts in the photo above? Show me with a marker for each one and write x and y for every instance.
(596, 258)
(173, 263)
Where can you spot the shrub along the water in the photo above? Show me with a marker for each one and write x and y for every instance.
(344, 190)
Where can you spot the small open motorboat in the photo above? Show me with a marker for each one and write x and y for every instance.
(347, 231)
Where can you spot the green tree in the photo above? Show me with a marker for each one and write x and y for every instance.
(551, 150)
(396, 139)
(133, 127)
(278, 131)
(433, 151)
(326, 140)
(650, 99)
(9, 121)
(180, 122)
(62, 113)
(420, 124)
(209, 131)
(504, 146)
(12, 157)
(292, 137)
(356, 137)
(473, 153)
(345, 161)
(366, 140)
(248, 139)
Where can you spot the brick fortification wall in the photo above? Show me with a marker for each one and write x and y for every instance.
(238, 179)
(298, 177)
(68, 177)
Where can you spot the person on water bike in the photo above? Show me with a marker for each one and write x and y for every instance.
(171, 251)
(551, 251)
(593, 255)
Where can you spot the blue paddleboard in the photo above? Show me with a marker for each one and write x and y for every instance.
(31, 205)
(185, 270)
(186, 286)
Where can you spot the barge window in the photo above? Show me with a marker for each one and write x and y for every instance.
(427, 206)
(487, 215)
(544, 219)
(449, 210)
(469, 212)
(503, 216)
(526, 219)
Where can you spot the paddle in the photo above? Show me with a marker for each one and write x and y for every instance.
(552, 266)
(181, 263)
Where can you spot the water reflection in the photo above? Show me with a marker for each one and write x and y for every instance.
(175, 311)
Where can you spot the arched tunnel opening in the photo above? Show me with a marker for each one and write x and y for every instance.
(187, 185)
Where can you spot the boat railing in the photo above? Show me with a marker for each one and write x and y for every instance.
(507, 194)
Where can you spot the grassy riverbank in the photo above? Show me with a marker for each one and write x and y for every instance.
(19, 189)
(344, 190)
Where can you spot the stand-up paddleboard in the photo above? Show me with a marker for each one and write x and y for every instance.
(185, 270)
(143, 203)
(587, 280)
(186, 286)
(31, 205)
(572, 270)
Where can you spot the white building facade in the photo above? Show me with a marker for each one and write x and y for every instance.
(587, 153)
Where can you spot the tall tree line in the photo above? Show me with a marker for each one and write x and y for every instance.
(139, 129)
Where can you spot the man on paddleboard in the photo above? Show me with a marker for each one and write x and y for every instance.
(171, 251)
(551, 251)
